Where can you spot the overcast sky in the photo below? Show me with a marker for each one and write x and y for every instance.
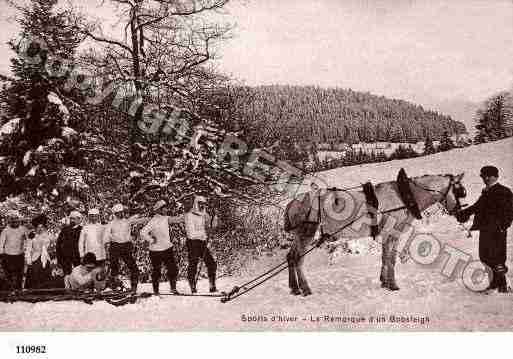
(426, 51)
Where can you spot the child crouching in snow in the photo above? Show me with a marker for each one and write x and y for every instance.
(86, 276)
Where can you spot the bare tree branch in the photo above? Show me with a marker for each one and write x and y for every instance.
(107, 41)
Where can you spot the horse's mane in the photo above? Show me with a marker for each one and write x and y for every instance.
(414, 178)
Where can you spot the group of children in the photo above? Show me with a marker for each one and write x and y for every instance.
(82, 250)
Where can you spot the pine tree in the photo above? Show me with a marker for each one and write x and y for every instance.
(446, 142)
(495, 119)
(41, 111)
(429, 148)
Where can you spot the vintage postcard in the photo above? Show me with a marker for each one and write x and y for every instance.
(243, 165)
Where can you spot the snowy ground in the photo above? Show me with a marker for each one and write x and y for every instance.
(348, 288)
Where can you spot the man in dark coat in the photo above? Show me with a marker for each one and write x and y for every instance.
(68, 255)
(493, 214)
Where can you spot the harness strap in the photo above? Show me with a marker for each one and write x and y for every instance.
(372, 206)
(403, 185)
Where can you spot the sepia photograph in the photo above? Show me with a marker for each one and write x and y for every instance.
(255, 166)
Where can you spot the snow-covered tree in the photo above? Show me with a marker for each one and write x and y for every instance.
(495, 119)
(39, 136)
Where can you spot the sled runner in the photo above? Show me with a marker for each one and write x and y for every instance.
(58, 295)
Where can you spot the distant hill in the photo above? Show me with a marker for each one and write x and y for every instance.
(459, 110)
(266, 114)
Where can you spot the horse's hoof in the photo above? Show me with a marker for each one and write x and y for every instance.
(307, 293)
(390, 286)
(295, 292)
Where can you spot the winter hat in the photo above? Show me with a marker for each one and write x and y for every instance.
(13, 214)
(161, 203)
(93, 211)
(75, 214)
(200, 198)
(488, 171)
(117, 208)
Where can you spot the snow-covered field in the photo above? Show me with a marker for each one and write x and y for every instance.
(346, 289)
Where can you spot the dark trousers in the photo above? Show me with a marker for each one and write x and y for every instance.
(68, 264)
(167, 258)
(123, 251)
(13, 268)
(492, 252)
(197, 249)
(37, 276)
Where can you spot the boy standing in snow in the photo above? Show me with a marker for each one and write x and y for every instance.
(196, 221)
(117, 233)
(12, 249)
(156, 232)
(91, 238)
(68, 255)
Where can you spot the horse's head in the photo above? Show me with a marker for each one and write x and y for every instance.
(448, 190)
(454, 192)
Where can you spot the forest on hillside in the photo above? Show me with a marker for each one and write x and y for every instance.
(266, 114)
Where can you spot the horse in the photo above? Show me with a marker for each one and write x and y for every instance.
(350, 214)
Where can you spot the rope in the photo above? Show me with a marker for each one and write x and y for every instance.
(193, 295)
(235, 293)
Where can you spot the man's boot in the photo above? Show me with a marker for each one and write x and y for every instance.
(212, 282)
(172, 286)
(155, 288)
(502, 285)
(133, 286)
(392, 285)
(192, 284)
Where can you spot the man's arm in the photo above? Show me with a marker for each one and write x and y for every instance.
(3, 238)
(81, 243)
(107, 233)
(28, 251)
(506, 207)
(176, 219)
(136, 220)
(464, 214)
(145, 232)
(211, 221)
(58, 249)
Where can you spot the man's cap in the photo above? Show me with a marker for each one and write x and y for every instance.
(159, 204)
(93, 211)
(89, 258)
(199, 198)
(117, 208)
(75, 214)
(490, 171)
(13, 214)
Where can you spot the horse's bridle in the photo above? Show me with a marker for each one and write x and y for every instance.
(457, 190)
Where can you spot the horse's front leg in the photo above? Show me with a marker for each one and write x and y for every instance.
(303, 284)
(388, 256)
(292, 261)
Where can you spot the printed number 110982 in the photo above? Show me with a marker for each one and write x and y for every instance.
(30, 349)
